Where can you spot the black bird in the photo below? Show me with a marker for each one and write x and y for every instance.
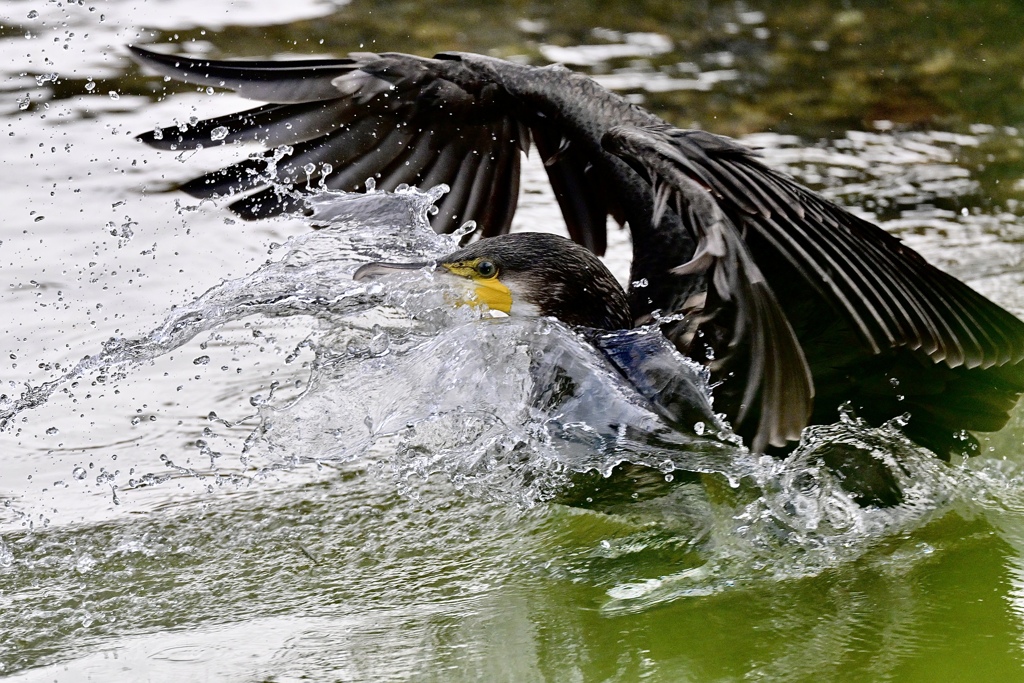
(797, 305)
(534, 274)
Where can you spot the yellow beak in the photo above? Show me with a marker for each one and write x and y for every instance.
(488, 292)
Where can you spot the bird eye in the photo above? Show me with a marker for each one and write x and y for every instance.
(486, 269)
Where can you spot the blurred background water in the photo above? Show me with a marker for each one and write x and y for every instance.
(139, 542)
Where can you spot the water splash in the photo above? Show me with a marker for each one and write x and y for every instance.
(792, 519)
(509, 409)
(312, 277)
(520, 412)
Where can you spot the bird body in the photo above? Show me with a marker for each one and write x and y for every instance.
(795, 304)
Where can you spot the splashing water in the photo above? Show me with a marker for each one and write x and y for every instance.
(313, 277)
(520, 412)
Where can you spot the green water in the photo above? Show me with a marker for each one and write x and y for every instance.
(333, 574)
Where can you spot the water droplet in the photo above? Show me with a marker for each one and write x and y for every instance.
(113, 95)
(52, 430)
(90, 86)
(79, 473)
(6, 556)
(219, 133)
(33, 14)
(202, 360)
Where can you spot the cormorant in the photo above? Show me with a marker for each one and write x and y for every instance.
(796, 304)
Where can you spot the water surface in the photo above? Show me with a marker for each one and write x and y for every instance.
(154, 525)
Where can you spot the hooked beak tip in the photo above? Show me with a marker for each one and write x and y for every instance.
(375, 269)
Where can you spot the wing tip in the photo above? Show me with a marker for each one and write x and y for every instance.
(150, 58)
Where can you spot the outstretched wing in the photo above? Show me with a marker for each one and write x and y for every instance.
(778, 376)
(884, 290)
(342, 121)
(889, 293)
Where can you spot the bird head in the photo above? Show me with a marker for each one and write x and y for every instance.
(532, 274)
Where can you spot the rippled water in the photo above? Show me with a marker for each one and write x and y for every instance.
(269, 471)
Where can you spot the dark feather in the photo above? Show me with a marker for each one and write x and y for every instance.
(270, 125)
(349, 114)
(584, 209)
(892, 295)
(306, 80)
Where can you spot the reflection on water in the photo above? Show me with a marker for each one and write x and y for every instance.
(257, 504)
